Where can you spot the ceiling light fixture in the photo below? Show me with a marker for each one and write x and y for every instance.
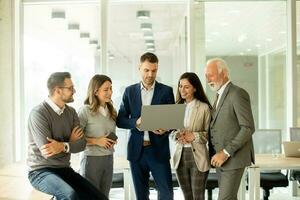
(94, 42)
(148, 36)
(149, 42)
(74, 27)
(146, 26)
(58, 14)
(84, 35)
(143, 14)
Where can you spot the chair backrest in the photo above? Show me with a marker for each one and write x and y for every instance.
(295, 133)
(267, 141)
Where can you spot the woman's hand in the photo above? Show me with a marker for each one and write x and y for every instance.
(189, 136)
(101, 141)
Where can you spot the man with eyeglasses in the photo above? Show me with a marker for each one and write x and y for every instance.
(53, 134)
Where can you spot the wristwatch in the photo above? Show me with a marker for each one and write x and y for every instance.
(66, 147)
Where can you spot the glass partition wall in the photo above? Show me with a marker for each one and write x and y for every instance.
(249, 35)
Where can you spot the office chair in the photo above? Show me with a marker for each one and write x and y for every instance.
(211, 184)
(295, 136)
(268, 141)
(118, 180)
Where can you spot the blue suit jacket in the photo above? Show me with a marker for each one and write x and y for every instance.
(130, 111)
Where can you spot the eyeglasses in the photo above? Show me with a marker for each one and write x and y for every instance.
(71, 88)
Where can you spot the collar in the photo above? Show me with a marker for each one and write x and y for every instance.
(151, 88)
(54, 106)
(221, 90)
(191, 103)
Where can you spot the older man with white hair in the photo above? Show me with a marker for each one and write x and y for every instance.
(231, 129)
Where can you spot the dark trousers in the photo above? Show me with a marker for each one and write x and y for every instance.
(192, 181)
(160, 170)
(64, 184)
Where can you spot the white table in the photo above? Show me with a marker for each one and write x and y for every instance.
(268, 162)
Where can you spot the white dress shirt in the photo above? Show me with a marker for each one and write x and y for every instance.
(55, 107)
(187, 116)
(147, 96)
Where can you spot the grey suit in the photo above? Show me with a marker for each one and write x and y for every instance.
(231, 128)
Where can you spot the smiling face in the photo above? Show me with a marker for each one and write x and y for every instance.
(214, 79)
(67, 91)
(186, 90)
(104, 93)
(148, 73)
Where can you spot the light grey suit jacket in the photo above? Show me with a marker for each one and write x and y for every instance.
(199, 124)
(232, 127)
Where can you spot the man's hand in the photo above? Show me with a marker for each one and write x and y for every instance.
(159, 131)
(219, 159)
(77, 133)
(101, 141)
(52, 148)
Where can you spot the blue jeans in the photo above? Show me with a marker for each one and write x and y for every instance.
(64, 184)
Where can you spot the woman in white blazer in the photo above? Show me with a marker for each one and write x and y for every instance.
(191, 159)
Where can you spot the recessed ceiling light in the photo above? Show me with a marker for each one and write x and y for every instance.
(111, 56)
(282, 32)
(58, 14)
(149, 42)
(146, 26)
(84, 35)
(242, 53)
(143, 14)
(269, 39)
(148, 35)
(249, 50)
(151, 49)
(93, 42)
(258, 45)
(74, 26)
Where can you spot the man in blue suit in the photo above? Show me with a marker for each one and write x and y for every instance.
(147, 151)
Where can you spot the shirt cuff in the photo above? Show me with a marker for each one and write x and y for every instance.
(226, 152)
(66, 147)
(197, 137)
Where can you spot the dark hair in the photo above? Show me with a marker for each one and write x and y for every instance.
(93, 101)
(196, 83)
(151, 57)
(57, 79)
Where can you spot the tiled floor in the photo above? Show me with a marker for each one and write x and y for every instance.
(276, 194)
(15, 186)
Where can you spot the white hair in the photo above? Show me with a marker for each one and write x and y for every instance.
(221, 65)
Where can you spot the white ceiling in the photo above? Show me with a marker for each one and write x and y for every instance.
(232, 28)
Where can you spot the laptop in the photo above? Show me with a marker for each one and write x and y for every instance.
(169, 116)
(292, 149)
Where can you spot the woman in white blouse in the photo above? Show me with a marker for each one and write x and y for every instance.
(191, 159)
(98, 121)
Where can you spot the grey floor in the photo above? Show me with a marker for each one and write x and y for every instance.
(276, 194)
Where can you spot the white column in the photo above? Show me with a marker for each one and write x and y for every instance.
(103, 40)
(8, 66)
(196, 39)
(291, 66)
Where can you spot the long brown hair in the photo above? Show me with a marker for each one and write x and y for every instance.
(92, 100)
(196, 83)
